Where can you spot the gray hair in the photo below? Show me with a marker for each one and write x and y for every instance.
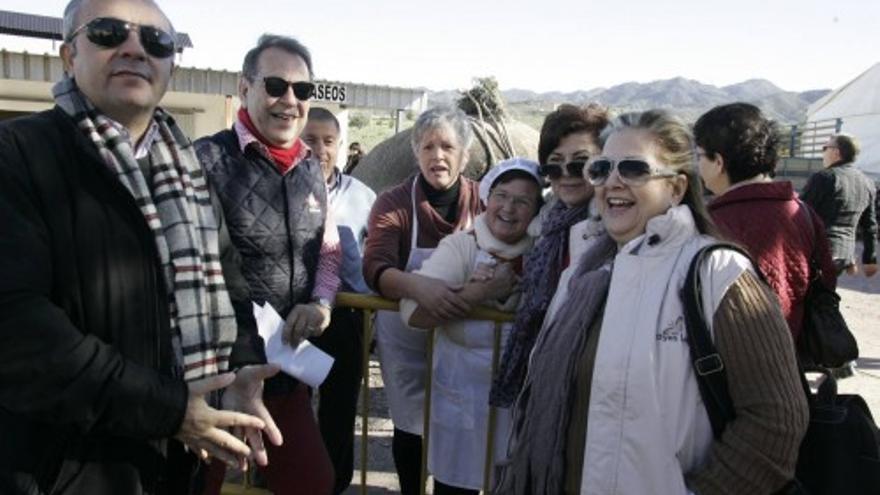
(674, 147)
(672, 137)
(68, 24)
(285, 43)
(71, 16)
(435, 117)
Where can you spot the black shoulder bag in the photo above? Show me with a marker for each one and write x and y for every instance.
(826, 339)
(840, 453)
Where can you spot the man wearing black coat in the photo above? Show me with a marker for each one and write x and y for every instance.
(116, 325)
(275, 199)
(844, 198)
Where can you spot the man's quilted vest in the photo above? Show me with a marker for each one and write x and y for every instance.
(276, 222)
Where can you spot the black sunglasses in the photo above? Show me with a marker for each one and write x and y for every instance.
(276, 87)
(632, 171)
(553, 171)
(110, 32)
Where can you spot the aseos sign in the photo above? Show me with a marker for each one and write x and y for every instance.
(333, 93)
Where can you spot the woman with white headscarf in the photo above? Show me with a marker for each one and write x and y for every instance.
(463, 348)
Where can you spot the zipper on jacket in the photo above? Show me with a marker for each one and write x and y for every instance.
(294, 299)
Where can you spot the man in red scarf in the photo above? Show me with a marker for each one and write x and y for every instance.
(275, 199)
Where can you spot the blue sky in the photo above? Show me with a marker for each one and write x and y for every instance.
(539, 44)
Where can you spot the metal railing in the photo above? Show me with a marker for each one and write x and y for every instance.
(806, 140)
(800, 150)
(369, 305)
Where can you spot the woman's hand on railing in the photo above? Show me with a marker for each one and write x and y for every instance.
(483, 272)
(376, 303)
(501, 282)
(440, 300)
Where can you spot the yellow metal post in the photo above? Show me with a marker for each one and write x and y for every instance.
(370, 304)
(426, 428)
(490, 433)
(365, 395)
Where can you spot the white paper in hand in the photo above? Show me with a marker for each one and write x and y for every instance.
(306, 363)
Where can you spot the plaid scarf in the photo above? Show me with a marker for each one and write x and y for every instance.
(180, 214)
(543, 269)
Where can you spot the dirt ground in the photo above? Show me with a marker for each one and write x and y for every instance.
(861, 308)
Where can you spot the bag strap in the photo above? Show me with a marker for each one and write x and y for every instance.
(806, 213)
(707, 363)
(815, 270)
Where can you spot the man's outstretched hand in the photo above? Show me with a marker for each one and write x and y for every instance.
(245, 395)
(204, 428)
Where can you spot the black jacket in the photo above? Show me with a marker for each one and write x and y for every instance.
(844, 198)
(276, 223)
(86, 387)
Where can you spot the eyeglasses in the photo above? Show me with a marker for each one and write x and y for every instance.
(276, 87)
(519, 202)
(632, 171)
(827, 146)
(553, 171)
(109, 32)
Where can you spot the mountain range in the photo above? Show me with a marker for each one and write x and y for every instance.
(686, 97)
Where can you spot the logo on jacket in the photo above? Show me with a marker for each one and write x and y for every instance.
(673, 332)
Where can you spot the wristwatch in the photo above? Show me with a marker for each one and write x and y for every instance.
(323, 301)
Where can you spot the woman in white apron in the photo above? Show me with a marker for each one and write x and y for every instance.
(405, 226)
(463, 348)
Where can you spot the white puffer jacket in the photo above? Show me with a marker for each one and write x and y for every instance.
(647, 424)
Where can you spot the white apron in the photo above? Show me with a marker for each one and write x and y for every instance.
(403, 351)
(460, 404)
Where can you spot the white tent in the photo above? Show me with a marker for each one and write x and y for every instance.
(857, 103)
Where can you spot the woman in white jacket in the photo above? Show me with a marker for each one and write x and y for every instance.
(463, 349)
(611, 404)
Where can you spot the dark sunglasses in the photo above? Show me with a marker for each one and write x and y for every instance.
(553, 171)
(632, 171)
(109, 32)
(276, 87)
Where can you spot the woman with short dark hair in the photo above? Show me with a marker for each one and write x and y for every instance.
(569, 137)
(736, 149)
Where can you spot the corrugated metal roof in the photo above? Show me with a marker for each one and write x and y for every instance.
(48, 68)
(45, 27)
(33, 26)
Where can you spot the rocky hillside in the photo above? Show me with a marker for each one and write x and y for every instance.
(687, 97)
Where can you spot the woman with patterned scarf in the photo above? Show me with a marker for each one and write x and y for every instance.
(611, 402)
(569, 136)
